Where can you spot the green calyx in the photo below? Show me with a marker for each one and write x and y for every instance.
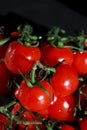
(26, 36)
(57, 38)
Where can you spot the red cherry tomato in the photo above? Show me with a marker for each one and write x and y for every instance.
(65, 80)
(55, 55)
(3, 122)
(83, 123)
(44, 113)
(29, 116)
(15, 108)
(80, 62)
(62, 108)
(85, 43)
(3, 47)
(67, 127)
(15, 33)
(21, 57)
(5, 75)
(44, 45)
(34, 96)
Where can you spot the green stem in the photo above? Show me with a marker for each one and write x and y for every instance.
(43, 88)
(26, 122)
(85, 112)
(26, 80)
(47, 69)
(49, 126)
(84, 94)
(37, 128)
(33, 73)
(34, 68)
(73, 47)
(9, 104)
(4, 108)
(79, 103)
(3, 41)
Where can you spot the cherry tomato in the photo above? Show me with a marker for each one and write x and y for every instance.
(67, 127)
(44, 45)
(14, 33)
(83, 123)
(3, 122)
(55, 55)
(80, 62)
(65, 80)
(34, 96)
(44, 113)
(62, 108)
(21, 57)
(29, 116)
(3, 49)
(85, 43)
(5, 75)
(15, 108)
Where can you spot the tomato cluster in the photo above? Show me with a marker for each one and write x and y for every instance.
(47, 78)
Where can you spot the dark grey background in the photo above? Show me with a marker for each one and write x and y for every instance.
(65, 14)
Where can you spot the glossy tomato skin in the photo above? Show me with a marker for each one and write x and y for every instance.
(83, 123)
(16, 108)
(5, 75)
(65, 80)
(21, 57)
(62, 108)
(44, 113)
(80, 62)
(35, 96)
(56, 55)
(67, 127)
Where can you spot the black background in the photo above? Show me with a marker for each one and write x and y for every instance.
(70, 15)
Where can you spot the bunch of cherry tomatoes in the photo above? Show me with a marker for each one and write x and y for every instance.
(46, 77)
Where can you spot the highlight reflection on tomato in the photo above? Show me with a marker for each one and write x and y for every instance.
(33, 96)
(65, 81)
(62, 108)
(20, 57)
(54, 55)
(80, 62)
